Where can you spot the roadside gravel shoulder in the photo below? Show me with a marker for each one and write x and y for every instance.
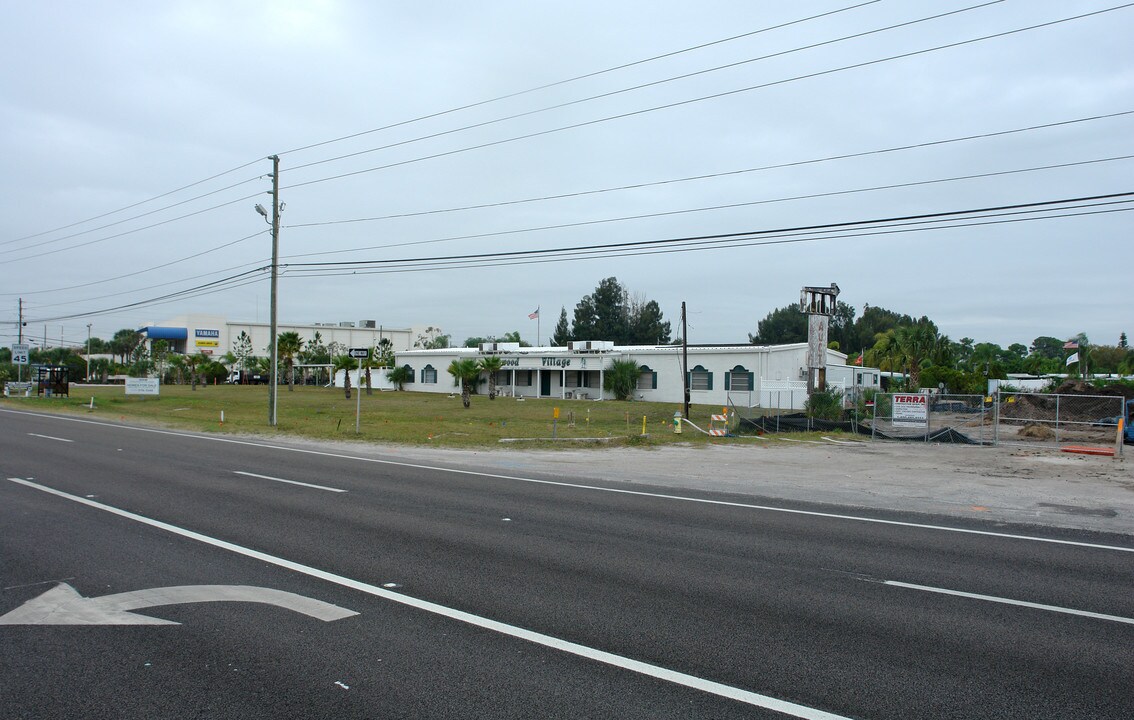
(999, 484)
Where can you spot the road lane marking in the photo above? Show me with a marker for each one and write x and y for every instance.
(1008, 601)
(597, 488)
(50, 437)
(63, 605)
(549, 641)
(290, 482)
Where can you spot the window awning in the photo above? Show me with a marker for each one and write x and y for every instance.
(154, 332)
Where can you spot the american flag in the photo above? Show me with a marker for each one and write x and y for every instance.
(1070, 345)
(534, 314)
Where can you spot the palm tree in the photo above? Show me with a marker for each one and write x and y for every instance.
(399, 376)
(907, 347)
(491, 365)
(288, 345)
(622, 379)
(177, 366)
(345, 363)
(191, 363)
(465, 372)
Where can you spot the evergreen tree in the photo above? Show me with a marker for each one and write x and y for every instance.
(562, 334)
(647, 326)
(780, 327)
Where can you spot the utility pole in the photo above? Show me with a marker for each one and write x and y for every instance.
(88, 352)
(685, 358)
(274, 372)
(20, 341)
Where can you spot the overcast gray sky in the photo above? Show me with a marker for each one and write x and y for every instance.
(113, 114)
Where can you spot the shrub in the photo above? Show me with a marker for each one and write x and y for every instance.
(622, 379)
(826, 405)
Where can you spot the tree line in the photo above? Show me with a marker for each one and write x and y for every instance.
(878, 337)
(899, 343)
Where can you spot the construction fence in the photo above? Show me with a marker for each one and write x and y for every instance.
(1012, 418)
(1037, 418)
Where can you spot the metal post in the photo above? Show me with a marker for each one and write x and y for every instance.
(274, 370)
(88, 352)
(996, 417)
(1057, 418)
(358, 407)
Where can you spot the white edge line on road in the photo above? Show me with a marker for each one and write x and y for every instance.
(599, 488)
(654, 671)
(50, 437)
(290, 482)
(1009, 601)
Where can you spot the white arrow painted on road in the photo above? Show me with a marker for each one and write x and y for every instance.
(63, 605)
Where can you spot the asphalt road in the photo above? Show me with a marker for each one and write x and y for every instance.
(492, 596)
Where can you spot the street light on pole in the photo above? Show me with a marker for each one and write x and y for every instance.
(273, 372)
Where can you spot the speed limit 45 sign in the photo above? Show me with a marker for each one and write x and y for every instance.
(20, 354)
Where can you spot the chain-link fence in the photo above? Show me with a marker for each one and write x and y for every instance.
(1036, 418)
(1009, 418)
(931, 418)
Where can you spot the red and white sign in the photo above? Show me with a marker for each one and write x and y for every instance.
(911, 410)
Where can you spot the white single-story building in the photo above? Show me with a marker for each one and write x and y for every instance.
(215, 335)
(744, 375)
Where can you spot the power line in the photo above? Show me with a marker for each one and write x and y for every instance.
(143, 271)
(129, 232)
(419, 119)
(229, 283)
(578, 77)
(582, 193)
(745, 242)
(727, 206)
(608, 220)
(810, 228)
(714, 96)
(621, 91)
(141, 202)
(661, 246)
(707, 176)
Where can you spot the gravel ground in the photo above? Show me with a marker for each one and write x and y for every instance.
(1001, 484)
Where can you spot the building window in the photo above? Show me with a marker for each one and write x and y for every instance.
(409, 374)
(592, 378)
(429, 374)
(571, 379)
(647, 379)
(700, 379)
(739, 380)
(524, 378)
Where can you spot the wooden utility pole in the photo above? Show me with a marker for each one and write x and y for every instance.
(274, 370)
(685, 358)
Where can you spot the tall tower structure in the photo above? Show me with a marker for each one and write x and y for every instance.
(819, 305)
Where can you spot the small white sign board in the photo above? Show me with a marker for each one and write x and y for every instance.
(143, 386)
(20, 352)
(359, 353)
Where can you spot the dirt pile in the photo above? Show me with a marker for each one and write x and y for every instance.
(1078, 387)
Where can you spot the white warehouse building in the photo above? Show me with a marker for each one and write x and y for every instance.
(772, 376)
(215, 335)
